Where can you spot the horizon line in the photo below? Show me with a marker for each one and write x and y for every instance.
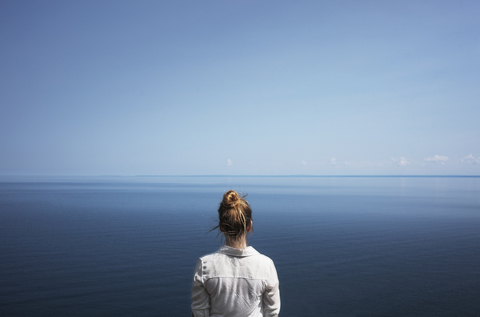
(249, 175)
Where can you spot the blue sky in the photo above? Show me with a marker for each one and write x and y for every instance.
(239, 87)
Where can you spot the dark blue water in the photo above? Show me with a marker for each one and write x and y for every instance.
(342, 246)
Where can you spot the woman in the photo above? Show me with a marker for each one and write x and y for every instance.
(236, 280)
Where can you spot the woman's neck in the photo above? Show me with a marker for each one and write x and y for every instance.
(239, 243)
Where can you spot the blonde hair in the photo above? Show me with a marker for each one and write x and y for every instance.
(234, 215)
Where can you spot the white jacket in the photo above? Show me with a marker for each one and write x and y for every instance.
(235, 282)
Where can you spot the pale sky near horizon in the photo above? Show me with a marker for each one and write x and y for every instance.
(239, 87)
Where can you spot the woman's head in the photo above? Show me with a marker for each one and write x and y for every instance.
(234, 215)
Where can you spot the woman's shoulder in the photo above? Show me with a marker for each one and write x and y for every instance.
(264, 259)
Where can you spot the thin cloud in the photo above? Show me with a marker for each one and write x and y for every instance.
(333, 161)
(229, 162)
(437, 159)
(402, 161)
(303, 162)
(470, 159)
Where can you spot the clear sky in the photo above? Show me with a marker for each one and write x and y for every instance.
(239, 87)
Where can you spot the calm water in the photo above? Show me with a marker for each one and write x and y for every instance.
(343, 246)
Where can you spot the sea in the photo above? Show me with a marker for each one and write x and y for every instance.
(342, 246)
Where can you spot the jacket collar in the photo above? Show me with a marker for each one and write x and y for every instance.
(248, 251)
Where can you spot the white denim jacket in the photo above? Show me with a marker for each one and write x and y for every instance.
(235, 282)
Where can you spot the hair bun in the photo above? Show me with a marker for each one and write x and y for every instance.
(231, 198)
